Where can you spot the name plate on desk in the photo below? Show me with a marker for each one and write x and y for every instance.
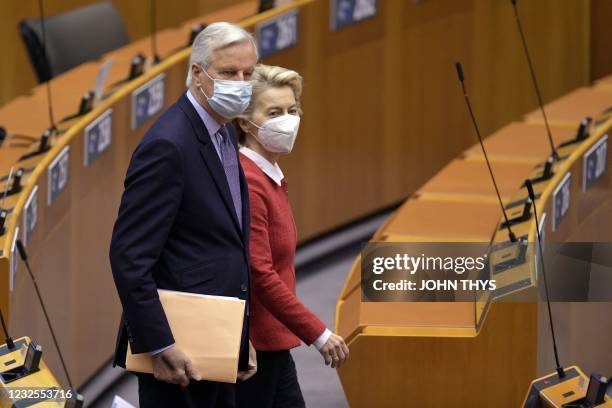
(98, 137)
(14, 256)
(347, 12)
(278, 33)
(30, 215)
(57, 175)
(594, 163)
(148, 100)
(561, 201)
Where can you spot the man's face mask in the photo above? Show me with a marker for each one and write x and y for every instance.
(229, 98)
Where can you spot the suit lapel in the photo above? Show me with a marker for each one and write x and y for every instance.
(212, 161)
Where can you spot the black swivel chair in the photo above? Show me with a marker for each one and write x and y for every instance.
(72, 38)
(265, 5)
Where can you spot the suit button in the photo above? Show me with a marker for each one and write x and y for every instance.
(243, 287)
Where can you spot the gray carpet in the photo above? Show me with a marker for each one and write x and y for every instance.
(318, 286)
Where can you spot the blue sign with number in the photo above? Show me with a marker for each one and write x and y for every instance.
(594, 163)
(278, 33)
(30, 215)
(347, 12)
(98, 137)
(57, 175)
(148, 100)
(561, 201)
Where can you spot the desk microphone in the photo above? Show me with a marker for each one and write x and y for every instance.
(582, 133)
(583, 130)
(43, 145)
(560, 370)
(24, 257)
(44, 50)
(3, 212)
(3, 216)
(16, 186)
(469, 106)
(85, 106)
(153, 15)
(195, 30)
(554, 153)
(10, 344)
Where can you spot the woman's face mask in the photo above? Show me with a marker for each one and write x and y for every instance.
(277, 135)
(229, 98)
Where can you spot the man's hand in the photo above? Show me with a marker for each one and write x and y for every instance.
(173, 366)
(335, 351)
(252, 369)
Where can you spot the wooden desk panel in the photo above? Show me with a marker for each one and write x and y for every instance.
(520, 141)
(454, 221)
(444, 371)
(570, 109)
(605, 82)
(467, 178)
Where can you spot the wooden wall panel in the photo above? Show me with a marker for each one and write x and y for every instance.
(17, 76)
(383, 110)
(601, 40)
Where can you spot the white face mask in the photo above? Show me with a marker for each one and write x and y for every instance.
(229, 98)
(277, 135)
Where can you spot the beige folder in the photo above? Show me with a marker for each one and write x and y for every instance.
(207, 328)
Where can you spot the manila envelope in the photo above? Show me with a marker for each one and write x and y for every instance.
(208, 330)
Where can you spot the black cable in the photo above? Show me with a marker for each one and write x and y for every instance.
(44, 49)
(554, 153)
(24, 257)
(560, 370)
(156, 58)
(9, 341)
(469, 106)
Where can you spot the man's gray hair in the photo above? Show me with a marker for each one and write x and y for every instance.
(214, 37)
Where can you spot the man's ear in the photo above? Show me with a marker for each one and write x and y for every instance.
(195, 70)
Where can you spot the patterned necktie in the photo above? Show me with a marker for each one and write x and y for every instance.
(229, 160)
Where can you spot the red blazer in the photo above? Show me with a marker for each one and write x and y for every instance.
(278, 319)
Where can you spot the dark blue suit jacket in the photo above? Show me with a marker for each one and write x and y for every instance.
(176, 229)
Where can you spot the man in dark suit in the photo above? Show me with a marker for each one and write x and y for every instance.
(183, 222)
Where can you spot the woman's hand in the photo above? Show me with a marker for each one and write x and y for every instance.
(334, 351)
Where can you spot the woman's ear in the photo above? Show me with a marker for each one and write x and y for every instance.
(244, 125)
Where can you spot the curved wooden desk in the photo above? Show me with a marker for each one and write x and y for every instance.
(484, 353)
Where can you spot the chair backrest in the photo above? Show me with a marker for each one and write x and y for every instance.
(72, 38)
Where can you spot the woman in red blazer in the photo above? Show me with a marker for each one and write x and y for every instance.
(278, 321)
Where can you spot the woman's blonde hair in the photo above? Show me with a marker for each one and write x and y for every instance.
(269, 76)
(266, 77)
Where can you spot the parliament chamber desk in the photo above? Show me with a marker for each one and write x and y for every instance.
(485, 353)
(66, 208)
